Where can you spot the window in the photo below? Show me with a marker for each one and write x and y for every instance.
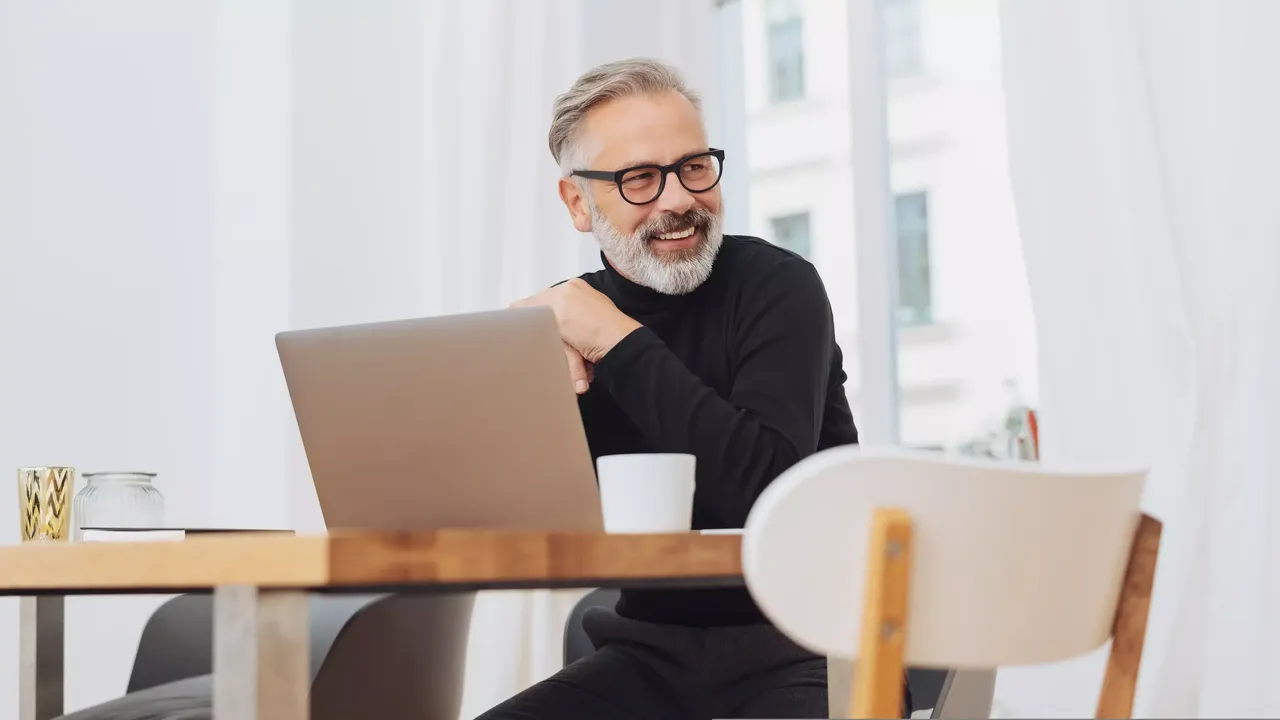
(792, 232)
(902, 47)
(786, 51)
(915, 292)
(939, 391)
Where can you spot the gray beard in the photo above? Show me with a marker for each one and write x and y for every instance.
(673, 274)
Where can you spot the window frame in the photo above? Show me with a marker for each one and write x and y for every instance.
(877, 256)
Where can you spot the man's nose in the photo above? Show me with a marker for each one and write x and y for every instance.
(674, 198)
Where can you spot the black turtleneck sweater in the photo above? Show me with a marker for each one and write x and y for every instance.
(744, 373)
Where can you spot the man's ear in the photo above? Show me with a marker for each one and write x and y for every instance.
(576, 201)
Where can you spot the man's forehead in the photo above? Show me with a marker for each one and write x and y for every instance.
(665, 159)
(645, 130)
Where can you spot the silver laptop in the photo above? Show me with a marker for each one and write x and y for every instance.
(461, 421)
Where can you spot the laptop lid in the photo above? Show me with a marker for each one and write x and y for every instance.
(446, 422)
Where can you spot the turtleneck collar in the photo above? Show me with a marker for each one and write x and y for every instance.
(632, 297)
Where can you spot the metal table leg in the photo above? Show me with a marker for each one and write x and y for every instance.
(40, 648)
(261, 654)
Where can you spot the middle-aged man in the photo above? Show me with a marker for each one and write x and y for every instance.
(689, 341)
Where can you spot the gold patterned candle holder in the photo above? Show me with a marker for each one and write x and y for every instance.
(44, 503)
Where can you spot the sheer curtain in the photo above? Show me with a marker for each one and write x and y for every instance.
(447, 201)
(497, 231)
(1143, 150)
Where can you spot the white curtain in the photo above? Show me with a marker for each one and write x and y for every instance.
(494, 227)
(494, 232)
(423, 185)
(1144, 148)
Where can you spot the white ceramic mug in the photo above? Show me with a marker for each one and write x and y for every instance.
(647, 492)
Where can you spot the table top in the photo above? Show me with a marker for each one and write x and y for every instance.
(374, 561)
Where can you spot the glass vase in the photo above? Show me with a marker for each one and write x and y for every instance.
(118, 500)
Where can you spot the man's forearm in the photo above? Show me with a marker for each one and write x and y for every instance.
(738, 453)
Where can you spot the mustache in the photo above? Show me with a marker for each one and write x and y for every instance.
(698, 218)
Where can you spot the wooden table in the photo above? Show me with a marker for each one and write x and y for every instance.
(261, 581)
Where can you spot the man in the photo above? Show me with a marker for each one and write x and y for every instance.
(691, 342)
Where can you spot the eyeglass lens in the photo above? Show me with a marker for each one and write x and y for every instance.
(697, 174)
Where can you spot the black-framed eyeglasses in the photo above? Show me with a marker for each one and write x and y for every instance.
(643, 184)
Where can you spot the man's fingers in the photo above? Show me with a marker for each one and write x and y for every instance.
(577, 370)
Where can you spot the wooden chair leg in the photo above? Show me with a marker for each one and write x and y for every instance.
(1130, 628)
(877, 677)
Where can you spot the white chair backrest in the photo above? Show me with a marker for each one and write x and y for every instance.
(1011, 563)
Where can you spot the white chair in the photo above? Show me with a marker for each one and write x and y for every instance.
(893, 557)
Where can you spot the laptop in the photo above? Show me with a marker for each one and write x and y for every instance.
(460, 421)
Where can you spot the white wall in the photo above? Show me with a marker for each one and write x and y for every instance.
(142, 243)
(357, 128)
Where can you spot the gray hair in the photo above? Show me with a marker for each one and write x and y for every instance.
(611, 81)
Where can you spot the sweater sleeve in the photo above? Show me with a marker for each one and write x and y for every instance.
(772, 417)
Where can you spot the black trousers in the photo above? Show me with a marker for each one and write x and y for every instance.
(642, 671)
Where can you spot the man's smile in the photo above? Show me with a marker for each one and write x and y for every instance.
(679, 240)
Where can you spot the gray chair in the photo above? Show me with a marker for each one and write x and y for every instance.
(399, 655)
(929, 688)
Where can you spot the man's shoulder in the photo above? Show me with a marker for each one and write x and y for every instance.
(753, 260)
(774, 291)
(596, 279)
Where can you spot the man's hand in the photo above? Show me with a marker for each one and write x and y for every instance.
(579, 370)
(590, 324)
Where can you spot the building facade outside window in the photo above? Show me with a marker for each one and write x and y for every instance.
(915, 289)
(792, 232)
(786, 50)
(903, 50)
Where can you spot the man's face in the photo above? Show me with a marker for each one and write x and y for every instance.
(670, 242)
